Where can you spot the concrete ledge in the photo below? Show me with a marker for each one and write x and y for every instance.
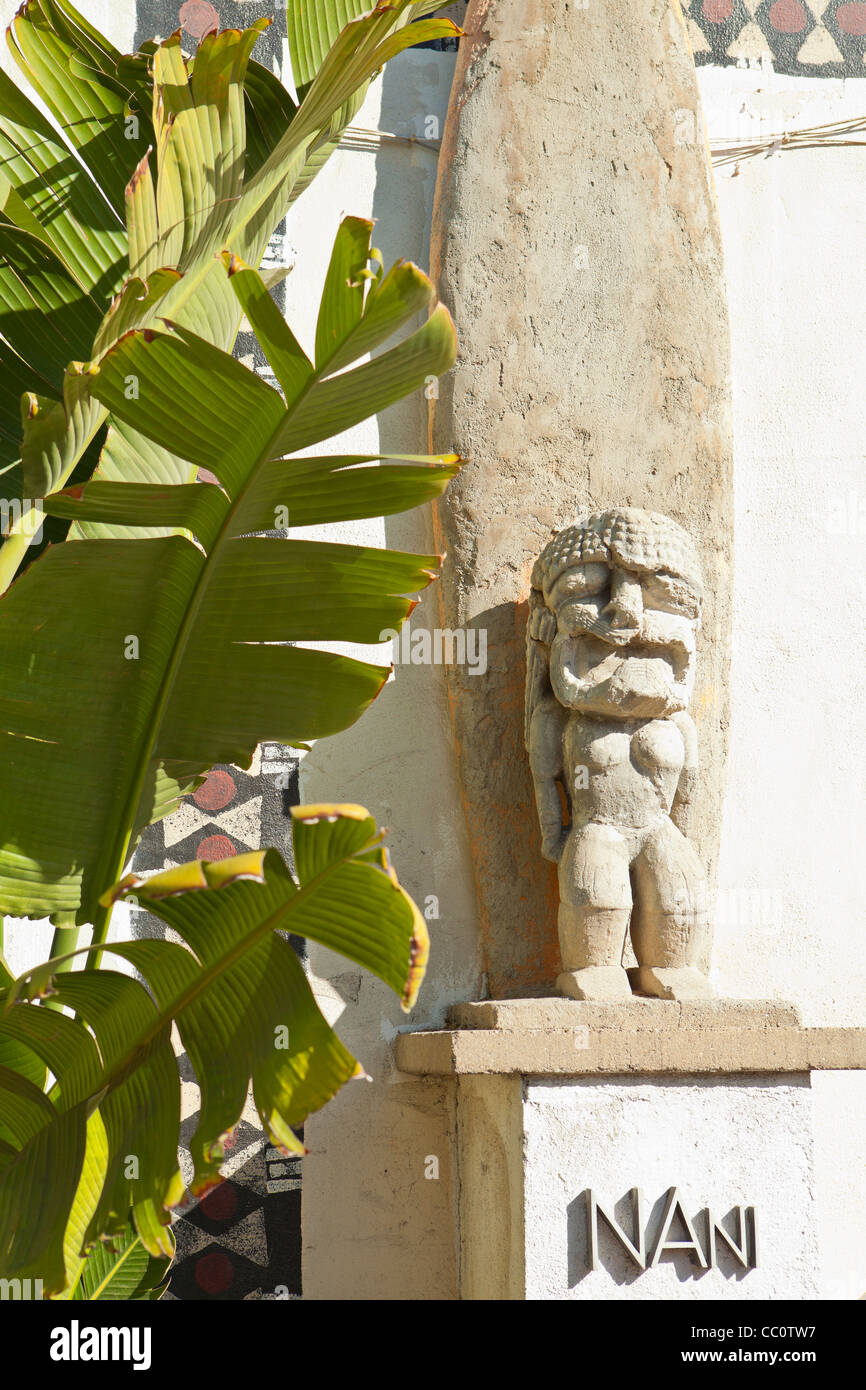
(562, 1037)
(636, 1016)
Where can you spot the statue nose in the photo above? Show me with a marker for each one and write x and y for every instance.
(625, 608)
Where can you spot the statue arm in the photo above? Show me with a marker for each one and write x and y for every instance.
(545, 726)
(545, 758)
(682, 810)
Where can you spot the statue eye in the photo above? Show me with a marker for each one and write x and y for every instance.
(671, 595)
(581, 581)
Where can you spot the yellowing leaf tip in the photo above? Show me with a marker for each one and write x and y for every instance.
(119, 890)
(329, 811)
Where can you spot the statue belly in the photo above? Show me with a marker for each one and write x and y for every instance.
(623, 776)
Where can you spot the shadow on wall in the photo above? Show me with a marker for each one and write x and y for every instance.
(399, 760)
(493, 641)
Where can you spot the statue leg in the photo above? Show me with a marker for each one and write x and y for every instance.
(595, 904)
(670, 921)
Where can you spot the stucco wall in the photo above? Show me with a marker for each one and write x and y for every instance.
(792, 912)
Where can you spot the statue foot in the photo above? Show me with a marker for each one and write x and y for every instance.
(670, 982)
(602, 983)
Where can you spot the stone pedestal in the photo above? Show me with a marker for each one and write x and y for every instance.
(648, 1150)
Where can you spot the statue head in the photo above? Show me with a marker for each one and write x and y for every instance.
(617, 600)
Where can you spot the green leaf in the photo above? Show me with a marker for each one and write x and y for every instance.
(74, 708)
(142, 221)
(313, 491)
(37, 1190)
(114, 1270)
(22, 1060)
(200, 138)
(360, 50)
(90, 112)
(55, 433)
(269, 110)
(235, 990)
(121, 1269)
(147, 624)
(61, 194)
(337, 404)
(210, 193)
(44, 317)
(313, 28)
(86, 1199)
(150, 506)
(342, 306)
(99, 51)
(57, 1045)
(292, 368)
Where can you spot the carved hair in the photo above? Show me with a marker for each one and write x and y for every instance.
(646, 542)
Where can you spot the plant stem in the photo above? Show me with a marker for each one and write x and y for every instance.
(64, 939)
(101, 923)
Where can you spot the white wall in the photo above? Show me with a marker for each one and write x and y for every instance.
(792, 907)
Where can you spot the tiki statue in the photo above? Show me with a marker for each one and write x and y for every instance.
(614, 612)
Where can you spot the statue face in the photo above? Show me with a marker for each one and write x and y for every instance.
(625, 640)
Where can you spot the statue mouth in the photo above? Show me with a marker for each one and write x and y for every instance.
(618, 636)
(642, 677)
(646, 684)
(596, 661)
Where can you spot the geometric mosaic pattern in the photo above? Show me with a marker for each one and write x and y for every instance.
(802, 38)
(243, 1239)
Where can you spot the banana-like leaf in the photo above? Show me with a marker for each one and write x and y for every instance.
(132, 665)
(312, 29)
(231, 150)
(121, 1269)
(243, 1007)
(88, 106)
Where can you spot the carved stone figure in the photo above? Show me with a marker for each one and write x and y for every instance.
(614, 612)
